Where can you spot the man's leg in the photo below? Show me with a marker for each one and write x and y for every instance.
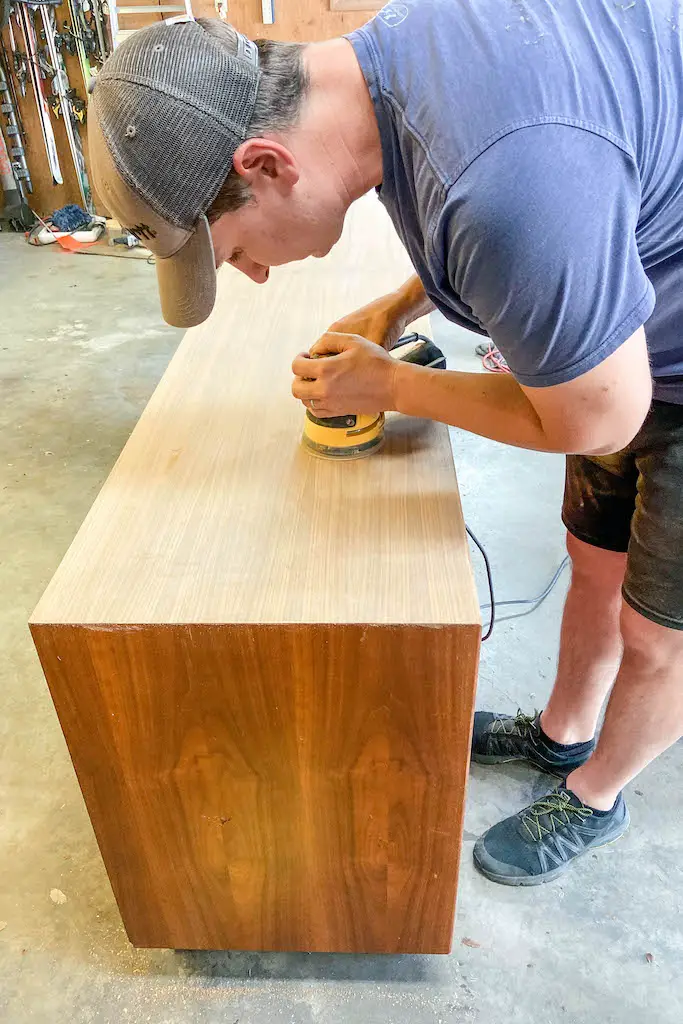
(560, 739)
(645, 711)
(599, 501)
(590, 643)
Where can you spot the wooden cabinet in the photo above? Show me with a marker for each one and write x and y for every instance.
(264, 664)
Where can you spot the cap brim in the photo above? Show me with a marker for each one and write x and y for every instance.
(187, 279)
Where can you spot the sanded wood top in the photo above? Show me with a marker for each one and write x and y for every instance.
(213, 513)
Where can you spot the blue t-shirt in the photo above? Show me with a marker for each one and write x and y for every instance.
(533, 168)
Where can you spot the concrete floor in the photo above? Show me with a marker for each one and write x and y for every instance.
(81, 349)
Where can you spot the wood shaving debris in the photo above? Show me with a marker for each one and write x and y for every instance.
(471, 942)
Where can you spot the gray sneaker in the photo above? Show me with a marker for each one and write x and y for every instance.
(500, 738)
(541, 842)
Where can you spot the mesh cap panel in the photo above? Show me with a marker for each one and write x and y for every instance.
(174, 104)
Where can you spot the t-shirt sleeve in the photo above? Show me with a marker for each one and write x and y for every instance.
(540, 237)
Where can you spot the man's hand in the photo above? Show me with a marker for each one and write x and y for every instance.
(385, 320)
(358, 377)
(378, 322)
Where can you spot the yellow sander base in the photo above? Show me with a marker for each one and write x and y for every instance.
(343, 437)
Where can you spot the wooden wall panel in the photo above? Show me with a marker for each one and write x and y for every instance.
(356, 5)
(303, 21)
(263, 663)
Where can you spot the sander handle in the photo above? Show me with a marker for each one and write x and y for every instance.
(420, 351)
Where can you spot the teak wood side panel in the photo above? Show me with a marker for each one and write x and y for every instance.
(295, 788)
(264, 664)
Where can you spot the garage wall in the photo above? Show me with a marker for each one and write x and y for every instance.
(47, 196)
(296, 20)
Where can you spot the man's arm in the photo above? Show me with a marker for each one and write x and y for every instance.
(386, 319)
(411, 301)
(538, 239)
(597, 413)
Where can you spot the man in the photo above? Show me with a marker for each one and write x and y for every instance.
(529, 155)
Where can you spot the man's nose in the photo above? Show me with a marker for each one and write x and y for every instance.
(255, 271)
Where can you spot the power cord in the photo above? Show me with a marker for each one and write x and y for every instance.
(429, 355)
(491, 358)
(531, 602)
(489, 576)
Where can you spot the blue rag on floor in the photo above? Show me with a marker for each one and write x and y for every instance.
(70, 218)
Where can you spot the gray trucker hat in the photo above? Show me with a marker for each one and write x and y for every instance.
(171, 106)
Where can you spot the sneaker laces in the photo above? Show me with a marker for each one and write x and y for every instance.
(521, 723)
(557, 810)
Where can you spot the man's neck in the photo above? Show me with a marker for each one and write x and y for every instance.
(340, 114)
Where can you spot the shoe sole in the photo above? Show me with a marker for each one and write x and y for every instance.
(548, 876)
(558, 773)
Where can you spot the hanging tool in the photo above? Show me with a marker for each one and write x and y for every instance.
(92, 8)
(14, 172)
(34, 65)
(80, 40)
(68, 102)
(14, 128)
(19, 60)
(14, 210)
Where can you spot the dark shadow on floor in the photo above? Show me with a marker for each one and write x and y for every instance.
(408, 969)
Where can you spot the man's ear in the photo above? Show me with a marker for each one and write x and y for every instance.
(258, 159)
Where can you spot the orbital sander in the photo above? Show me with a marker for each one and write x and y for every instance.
(353, 436)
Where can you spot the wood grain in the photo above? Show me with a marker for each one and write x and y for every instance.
(302, 21)
(377, 540)
(356, 5)
(264, 664)
(272, 788)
